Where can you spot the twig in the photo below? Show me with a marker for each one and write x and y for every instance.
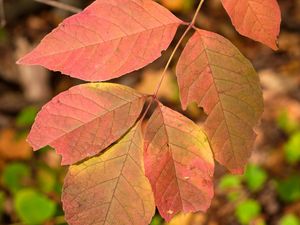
(59, 5)
(2, 14)
(190, 26)
(177, 46)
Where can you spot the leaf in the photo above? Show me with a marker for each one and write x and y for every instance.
(289, 189)
(13, 146)
(2, 200)
(178, 163)
(255, 177)
(215, 75)
(26, 116)
(230, 182)
(14, 176)
(107, 40)
(33, 208)
(247, 211)
(289, 219)
(84, 120)
(286, 122)
(157, 220)
(47, 180)
(256, 19)
(111, 188)
(292, 150)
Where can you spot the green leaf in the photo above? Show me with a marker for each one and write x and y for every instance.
(157, 220)
(247, 210)
(289, 189)
(14, 176)
(26, 116)
(46, 180)
(2, 200)
(287, 124)
(32, 207)
(289, 219)
(255, 177)
(230, 182)
(292, 149)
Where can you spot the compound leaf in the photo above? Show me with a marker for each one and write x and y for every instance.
(214, 74)
(256, 19)
(178, 163)
(110, 189)
(84, 120)
(107, 40)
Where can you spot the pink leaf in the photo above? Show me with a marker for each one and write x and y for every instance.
(256, 19)
(178, 163)
(84, 120)
(215, 75)
(107, 40)
(111, 188)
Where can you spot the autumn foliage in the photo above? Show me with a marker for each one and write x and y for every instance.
(118, 171)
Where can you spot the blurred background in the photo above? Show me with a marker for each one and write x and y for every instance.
(269, 191)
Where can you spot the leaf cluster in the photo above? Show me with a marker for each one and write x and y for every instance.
(120, 172)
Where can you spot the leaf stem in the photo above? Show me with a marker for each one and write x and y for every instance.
(60, 5)
(190, 26)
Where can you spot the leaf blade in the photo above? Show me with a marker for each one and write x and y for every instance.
(215, 75)
(258, 20)
(107, 40)
(178, 163)
(84, 120)
(110, 188)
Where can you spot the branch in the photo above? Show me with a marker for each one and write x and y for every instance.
(2, 14)
(59, 5)
(190, 26)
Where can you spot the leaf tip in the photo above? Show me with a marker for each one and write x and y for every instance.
(24, 60)
(19, 61)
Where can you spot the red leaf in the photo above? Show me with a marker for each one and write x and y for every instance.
(214, 74)
(107, 40)
(111, 188)
(178, 163)
(84, 120)
(256, 19)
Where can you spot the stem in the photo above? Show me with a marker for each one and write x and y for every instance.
(190, 26)
(60, 5)
(177, 46)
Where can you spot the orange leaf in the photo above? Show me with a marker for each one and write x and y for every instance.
(84, 120)
(111, 188)
(107, 40)
(215, 75)
(178, 163)
(13, 147)
(256, 19)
